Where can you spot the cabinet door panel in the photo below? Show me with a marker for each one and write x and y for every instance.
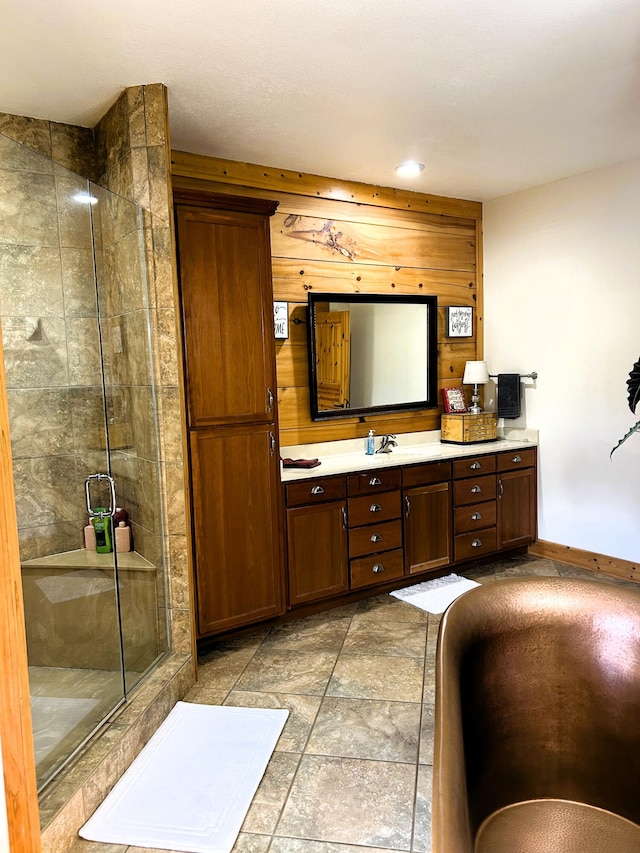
(236, 523)
(317, 550)
(516, 508)
(228, 328)
(427, 527)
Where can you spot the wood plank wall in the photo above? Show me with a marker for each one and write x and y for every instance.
(345, 237)
(16, 736)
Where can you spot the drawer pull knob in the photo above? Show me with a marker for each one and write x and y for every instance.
(317, 490)
(517, 458)
(375, 508)
(475, 466)
(477, 543)
(476, 490)
(375, 481)
(377, 568)
(376, 537)
(476, 516)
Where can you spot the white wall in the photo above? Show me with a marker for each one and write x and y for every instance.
(562, 297)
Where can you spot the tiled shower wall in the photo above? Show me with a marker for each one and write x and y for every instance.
(128, 153)
(133, 155)
(50, 334)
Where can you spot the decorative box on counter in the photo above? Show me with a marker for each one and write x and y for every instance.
(468, 429)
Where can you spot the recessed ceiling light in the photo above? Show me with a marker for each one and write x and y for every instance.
(409, 169)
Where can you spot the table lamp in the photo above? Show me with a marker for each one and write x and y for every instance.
(475, 373)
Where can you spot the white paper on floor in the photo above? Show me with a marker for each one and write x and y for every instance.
(191, 786)
(436, 595)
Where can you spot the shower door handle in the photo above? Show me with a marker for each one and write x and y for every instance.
(99, 478)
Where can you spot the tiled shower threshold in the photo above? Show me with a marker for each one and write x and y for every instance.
(74, 794)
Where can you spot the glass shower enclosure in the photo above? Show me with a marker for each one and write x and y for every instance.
(74, 310)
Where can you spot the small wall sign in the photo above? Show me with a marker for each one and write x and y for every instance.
(460, 321)
(281, 319)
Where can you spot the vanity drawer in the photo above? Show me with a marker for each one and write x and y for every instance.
(374, 481)
(474, 490)
(383, 567)
(475, 517)
(371, 509)
(316, 490)
(374, 538)
(473, 466)
(467, 546)
(424, 475)
(517, 459)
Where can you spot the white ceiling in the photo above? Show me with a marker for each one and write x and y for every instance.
(493, 96)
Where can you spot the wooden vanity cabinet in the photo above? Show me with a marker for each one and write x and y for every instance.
(494, 502)
(238, 564)
(224, 264)
(316, 520)
(474, 507)
(517, 498)
(375, 527)
(357, 531)
(427, 517)
(227, 308)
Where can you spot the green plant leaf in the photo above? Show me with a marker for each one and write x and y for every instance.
(633, 384)
(634, 428)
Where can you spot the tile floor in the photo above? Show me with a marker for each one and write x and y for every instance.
(353, 766)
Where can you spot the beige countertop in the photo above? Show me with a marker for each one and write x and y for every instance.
(344, 457)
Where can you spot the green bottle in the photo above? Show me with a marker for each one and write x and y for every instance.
(102, 526)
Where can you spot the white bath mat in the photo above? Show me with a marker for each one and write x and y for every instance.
(436, 595)
(191, 786)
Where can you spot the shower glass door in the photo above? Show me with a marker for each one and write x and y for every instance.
(74, 316)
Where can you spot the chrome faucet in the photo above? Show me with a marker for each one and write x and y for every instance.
(388, 443)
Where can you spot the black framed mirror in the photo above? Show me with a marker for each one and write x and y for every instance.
(371, 353)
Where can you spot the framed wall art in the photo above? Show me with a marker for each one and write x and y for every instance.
(453, 400)
(281, 320)
(459, 321)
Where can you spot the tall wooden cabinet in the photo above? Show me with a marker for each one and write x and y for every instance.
(227, 310)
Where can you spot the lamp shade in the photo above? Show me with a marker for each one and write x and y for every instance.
(475, 373)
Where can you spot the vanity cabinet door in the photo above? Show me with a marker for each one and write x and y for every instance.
(317, 550)
(427, 527)
(516, 508)
(236, 509)
(227, 305)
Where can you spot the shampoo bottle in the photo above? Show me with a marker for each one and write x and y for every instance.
(369, 446)
(102, 527)
(90, 537)
(123, 537)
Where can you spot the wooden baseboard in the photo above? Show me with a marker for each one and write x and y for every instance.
(612, 566)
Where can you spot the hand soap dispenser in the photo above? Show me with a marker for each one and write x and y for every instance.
(369, 445)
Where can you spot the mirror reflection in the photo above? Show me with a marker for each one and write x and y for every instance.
(371, 353)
